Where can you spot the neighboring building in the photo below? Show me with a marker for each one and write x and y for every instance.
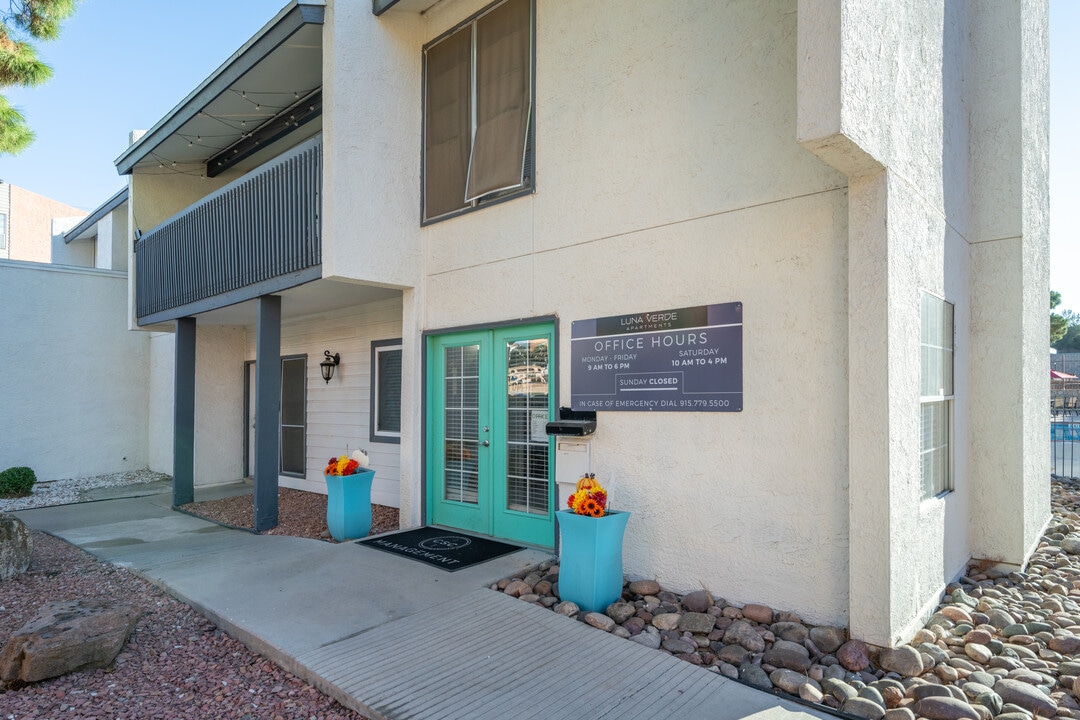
(71, 364)
(100, 239)
(27, 224)
(437, 192)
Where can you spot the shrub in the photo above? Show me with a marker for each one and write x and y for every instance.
(16, 481)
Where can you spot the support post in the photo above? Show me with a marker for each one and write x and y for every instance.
(267, 411)
(184, 413)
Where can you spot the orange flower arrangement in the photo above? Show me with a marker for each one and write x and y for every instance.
(589, 498)
(346, 465)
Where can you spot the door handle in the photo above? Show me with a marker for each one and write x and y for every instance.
(486, 443)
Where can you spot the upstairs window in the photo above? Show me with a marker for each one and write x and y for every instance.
(936, 395)
(478, 111)
(3, 231)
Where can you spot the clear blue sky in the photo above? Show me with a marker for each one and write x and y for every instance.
(122, 64)
(1065, 152)
(119, 65)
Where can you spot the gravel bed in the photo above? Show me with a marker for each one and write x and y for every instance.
(1001, 646)
(175, 665)
(300, 514)
(69, 490)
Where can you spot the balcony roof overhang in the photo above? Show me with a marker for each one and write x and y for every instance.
(274, 70)
(87, 227)
(380, 6)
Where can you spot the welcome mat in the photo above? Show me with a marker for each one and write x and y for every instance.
(442, 548)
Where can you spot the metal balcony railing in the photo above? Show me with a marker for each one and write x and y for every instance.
(258, 234)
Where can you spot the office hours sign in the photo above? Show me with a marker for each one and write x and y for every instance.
(684, 360)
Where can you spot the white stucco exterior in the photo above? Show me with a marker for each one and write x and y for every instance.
(160, 409)
(74, 380)
(823, 163)
(80, 255)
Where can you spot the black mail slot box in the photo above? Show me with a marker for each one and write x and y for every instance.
(573, 422)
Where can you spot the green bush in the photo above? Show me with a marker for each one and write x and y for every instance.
(16, 481)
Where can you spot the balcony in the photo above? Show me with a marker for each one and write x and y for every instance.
(257, 235)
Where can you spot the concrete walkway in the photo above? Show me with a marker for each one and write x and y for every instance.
(395, 638)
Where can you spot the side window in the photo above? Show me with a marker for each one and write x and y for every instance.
(3, 231)
(293, 415)
(936, 395)
(478, 111)
(386, 391)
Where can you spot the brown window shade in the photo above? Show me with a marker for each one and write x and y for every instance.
(503, 49)
(448, 125)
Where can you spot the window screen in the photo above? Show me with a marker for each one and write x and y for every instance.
(386, 391)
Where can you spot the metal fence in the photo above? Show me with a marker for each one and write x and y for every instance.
(1065, 447)
(1066, 362)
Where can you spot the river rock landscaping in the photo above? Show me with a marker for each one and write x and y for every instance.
(1001, 644)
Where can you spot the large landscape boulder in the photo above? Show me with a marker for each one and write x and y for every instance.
(16, 546)
(67, 636)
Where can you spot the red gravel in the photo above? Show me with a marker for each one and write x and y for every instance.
(176, 664)
(300, 514)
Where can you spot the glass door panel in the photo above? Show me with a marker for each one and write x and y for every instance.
(527, 414)
(459, 407)
(490, 459)
(524, 489)
(461, 416)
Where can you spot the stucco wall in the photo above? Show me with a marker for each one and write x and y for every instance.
(160, 410)
(927, 188)
(79, 254)
(1010, 256)
(672, 169)
(663, 183)
(371, 118)
(110, 245)
(219, 403)
(74, 379)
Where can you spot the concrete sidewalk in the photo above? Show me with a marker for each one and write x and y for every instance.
(395, 638)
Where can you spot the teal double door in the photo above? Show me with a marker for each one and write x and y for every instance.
(490, 462)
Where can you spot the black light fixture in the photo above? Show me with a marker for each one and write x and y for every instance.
(328, 365)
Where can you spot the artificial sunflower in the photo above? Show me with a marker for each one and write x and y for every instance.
(589, 499)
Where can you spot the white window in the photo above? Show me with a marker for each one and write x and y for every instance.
(3, 231)
(478, 111)
(386, 391)
(936, 395)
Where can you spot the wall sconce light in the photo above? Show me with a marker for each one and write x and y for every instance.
(328, 365)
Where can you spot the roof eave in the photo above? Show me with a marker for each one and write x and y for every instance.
(291, 18)
(88, 223)
(378, 7)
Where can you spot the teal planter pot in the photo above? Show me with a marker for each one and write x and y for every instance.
(590, 564)
(348, 505)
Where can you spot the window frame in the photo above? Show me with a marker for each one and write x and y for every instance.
(374, 433)
(933, 487)
(528, 186)
(302, 473)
